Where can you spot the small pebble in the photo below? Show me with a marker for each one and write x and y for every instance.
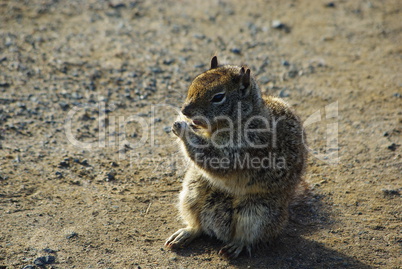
(64, 164)
(199, 36)
(92, 86)
(293, 73)
(276, 24)
(116, 5)
(378, 228)
(285, 63)
(168, 61)
(330, 4)
(41, 261)
(393, 146)
(397, 95)
(48, 250)
(167, 129)
(64, 106)
(283, 93)
(235, 50)
(59, 174)
(5, 84)
(71, 235)
(111, 175)
(29, 267)
(156, 70)
(114, 164)
(391, 192)
(21, 105)
(76, 95)
(386, 134)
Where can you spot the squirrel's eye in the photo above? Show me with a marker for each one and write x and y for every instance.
(218, 98)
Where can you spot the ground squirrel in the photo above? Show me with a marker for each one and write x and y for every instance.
(247, 157)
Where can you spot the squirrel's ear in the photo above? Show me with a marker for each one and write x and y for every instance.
(214, 62)
(245, 80)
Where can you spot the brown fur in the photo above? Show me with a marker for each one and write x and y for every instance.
(242, 205)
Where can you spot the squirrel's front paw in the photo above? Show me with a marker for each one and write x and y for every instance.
(179, 128)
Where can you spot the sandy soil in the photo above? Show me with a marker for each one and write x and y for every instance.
(90, 172)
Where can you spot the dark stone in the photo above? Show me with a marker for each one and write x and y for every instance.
(64, 164)
(92, 86)
(235, 50)
(86, 117)
(168, 61)
(199, 36)
(76, 95)
(379, 228)
(64, 106)
(391, 192)
(156, 70)
(117, 5)
(283, 94)
(71, 235)
(280, 26)
(5, 84)
(111, 175)
(293, 73)
(393, 146)
(41, 261)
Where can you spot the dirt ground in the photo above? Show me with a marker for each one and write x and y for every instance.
(90, 172)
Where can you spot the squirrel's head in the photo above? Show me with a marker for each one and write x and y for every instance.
(219, 94)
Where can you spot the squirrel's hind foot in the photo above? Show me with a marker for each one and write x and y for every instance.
(182, 237)
(232, 250)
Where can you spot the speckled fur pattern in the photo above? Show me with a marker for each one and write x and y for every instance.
(238, 203)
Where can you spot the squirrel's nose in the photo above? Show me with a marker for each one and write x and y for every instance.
(186, 110)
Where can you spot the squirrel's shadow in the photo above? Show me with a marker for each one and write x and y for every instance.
(291, 250)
